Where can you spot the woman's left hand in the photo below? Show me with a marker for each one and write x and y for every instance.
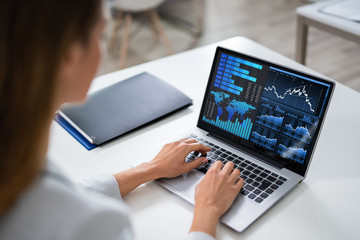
(170, 161)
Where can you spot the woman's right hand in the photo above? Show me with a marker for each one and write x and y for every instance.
(214, 196)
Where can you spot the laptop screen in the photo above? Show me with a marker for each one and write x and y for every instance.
(270, 111)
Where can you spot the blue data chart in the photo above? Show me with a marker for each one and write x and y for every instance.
(270, 116)
(295, 91)
(283, 130)
(293, 153)
(231, 71)
(233, 108)
(270, 121)
(269, 143)
(228, 113)
(299, 133)
(242, 129)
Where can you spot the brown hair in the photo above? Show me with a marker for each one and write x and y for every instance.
(35, 35)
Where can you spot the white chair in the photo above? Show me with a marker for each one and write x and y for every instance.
(125, 9)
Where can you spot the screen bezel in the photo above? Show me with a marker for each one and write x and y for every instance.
(239, 143)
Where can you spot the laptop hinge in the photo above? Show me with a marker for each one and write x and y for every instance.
(273, 163)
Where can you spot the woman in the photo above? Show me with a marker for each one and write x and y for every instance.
(50, 53)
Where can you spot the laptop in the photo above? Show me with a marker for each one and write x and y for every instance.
(266, 119)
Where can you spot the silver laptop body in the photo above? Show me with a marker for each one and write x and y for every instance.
(265, 118)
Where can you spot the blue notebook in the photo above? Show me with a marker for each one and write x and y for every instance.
(121, 108)
(76, 134)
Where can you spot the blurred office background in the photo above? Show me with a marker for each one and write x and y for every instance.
(193, 23)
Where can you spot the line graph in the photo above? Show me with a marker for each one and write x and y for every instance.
(269, 143)
(299, 91)
(293, 91)
(296, 154)
(300, 133)
(270, 121)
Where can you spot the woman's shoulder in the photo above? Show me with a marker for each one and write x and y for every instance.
(54, 207)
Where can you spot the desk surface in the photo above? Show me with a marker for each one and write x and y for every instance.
(324, 206)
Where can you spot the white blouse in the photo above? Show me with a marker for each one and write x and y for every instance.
(55, 208)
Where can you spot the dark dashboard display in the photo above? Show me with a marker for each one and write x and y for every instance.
(268, 109)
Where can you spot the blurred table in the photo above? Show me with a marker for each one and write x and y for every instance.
(310, 16)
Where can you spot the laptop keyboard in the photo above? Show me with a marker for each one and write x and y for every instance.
(259, 182)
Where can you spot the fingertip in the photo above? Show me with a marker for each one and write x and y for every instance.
(240, 182)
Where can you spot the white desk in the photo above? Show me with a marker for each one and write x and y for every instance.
(324, 206)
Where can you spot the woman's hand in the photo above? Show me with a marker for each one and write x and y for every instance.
(170, 161)
(214, 196)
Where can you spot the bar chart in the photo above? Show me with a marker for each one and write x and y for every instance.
(241, 129)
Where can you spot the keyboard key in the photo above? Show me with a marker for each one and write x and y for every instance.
(243, 164)
(256, 171)
(263, 175)
(269, 191)
(271, 179)
(224, 155)
(274, 186)
(254, 165)
(279, 182)
(259, 179)
(250, 168)
(249, 188)
(283, 179)
(244, 192)
(228, 153)
(267, 171)
(193, 136)
(256, 192)
(230, 158)
(234, 155)
(261, 168)
(251, 196)
(203, 170)
(236, 161)
(249, 180)
(253, 176)
(264, 195)
(255, 184)
(248, 162)
(274, 175)
(246, 173)
(258, 200)
(217, 152)
(242, 159)
(222, 150)
(264, 184)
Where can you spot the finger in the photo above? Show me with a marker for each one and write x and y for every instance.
(196, 163)
(228, 168)
(217, 165)
(197, 147)
(239, 184)
(234, 175)
(189, 141)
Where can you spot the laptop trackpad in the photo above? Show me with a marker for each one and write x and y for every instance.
(184, 184)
